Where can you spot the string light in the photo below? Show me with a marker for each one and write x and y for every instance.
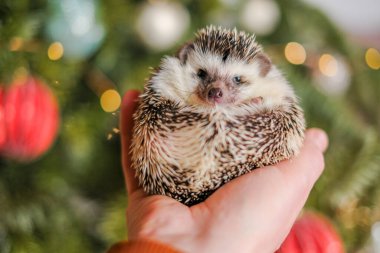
(295, 53)
(328, 65)
(372, 58)
(110, 100)
(55, 51)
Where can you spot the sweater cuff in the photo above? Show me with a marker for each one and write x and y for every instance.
(141, 246)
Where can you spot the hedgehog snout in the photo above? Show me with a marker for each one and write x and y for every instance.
(215, 93)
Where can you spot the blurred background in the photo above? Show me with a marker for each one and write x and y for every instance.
(64, 65)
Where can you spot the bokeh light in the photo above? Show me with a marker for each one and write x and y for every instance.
(161, 24)
(328, 65)
(375, 233)
(16, 44)
(260, 16)
(55, 51)
(110, 100)
(78, 25)
(372, 58)
(295, 53)
(334, 75)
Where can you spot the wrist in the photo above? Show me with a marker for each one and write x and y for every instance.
(184, 243)
(141, 246)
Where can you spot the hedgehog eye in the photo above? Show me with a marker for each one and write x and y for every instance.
(237, 79)
(202, 74)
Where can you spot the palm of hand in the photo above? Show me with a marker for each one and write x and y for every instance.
(156, 216)
(252, 213)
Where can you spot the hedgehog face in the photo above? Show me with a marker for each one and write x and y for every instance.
(223, 80)
(223, 68)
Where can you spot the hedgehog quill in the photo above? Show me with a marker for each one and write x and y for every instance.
(215, 111)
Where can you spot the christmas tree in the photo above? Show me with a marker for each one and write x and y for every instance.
(69, 196)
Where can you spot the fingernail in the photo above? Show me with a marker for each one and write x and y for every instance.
(319, 137)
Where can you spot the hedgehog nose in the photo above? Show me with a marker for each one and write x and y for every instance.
(215, 93)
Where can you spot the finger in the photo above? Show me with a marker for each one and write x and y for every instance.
(319, 138)
(129, 106)
(293, 178)
(306, 168)
(269, 199)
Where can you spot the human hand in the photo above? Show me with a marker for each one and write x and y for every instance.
(252, 213)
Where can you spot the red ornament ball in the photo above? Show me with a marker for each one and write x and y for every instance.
(2, 119)
(29, 119)
(312, 233)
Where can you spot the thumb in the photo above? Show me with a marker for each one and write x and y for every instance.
(129, 106)
(304, 169)
(318, 137)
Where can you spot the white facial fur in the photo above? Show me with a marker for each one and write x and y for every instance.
(178, 82)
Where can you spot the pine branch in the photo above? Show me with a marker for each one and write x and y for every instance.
(363, 174)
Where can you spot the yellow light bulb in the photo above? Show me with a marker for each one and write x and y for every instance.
(372, 57)
(295, 53)
(55, 51)
(328, 65)
(110, 100)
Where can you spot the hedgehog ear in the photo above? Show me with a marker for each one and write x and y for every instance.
(183, 53)
(264, 63)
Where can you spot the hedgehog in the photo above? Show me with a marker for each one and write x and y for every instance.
(216, 110)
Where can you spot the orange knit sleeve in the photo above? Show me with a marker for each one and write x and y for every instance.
(141, 246)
